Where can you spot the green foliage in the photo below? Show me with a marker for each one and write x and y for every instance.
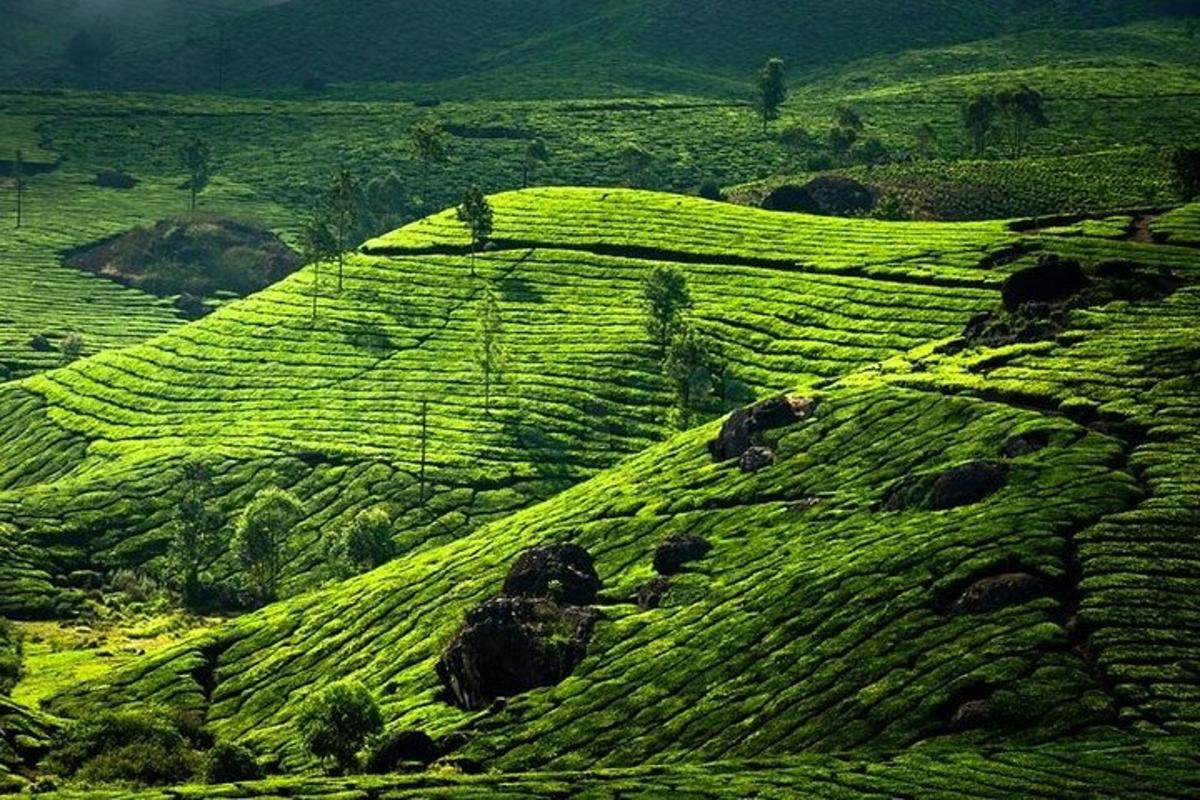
(427, 143)
(340, 210)
(979, 118)
(72, 348)
(366, 542)
(196, 160)
(227, 762)
(665, 298)
(475, 213)
(771, 90)
(12, 657)
(690, 372)
(196, 540)
(261, 539)
(140, 747)
(1021, 110)
(635, 165)
(1186, 163)
(335, 722)
(536, 155)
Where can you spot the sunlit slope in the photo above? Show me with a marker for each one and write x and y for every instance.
(330, 408)
(821, 621)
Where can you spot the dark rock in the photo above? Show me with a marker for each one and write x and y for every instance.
(40, 343)
(967, 484)
(677, 550)
(756, 458)
(1053, 280)
(997, 591)
(509, 645)
(563, 572)
(971, 714)
(400, 747)
(828, 195)
(452, 741)
(1023, 445)
(743, 425)
(651, 592)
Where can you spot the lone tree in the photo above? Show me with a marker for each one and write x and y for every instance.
(772, 90)
(635, 162)
(261, 539)
(490, 353)
(979, 117)
(336, 722)
(196, 160)
(665, 297)
(72, 348)
(1185, 162)
(366, 542)
(536, 155)
(427, 141)
(196, 537)
(317, 244)
(688, 368)
(19, 183)
(89, 48)
(341, 211)
(475, 212)
(1022, 111)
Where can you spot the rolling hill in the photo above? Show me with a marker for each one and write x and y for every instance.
(833, 613)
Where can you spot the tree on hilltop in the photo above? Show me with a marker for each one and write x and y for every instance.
(340, 205)
(665, 298)
(771, 90)
(475, 212)
(317, 244)
(196, 160)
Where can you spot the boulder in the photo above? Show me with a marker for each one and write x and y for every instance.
(997, 591)
(966, 484)
(562, 572)
(1053, 280)
(1023, 445)
(743, 425)
(677, 550)
(651, 592)
(971, 714)
(756, 458)
(400, 747)
(509, 645)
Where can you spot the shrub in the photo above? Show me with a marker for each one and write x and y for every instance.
(123, 746)
(336, 721)
(366, 542)
(72, 347)
(11, 657)
(115, 179)
(227, 762)
(709, 190)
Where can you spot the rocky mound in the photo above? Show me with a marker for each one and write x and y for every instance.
(745, 426)
(562, 572)
(828, 196)
(194, 257)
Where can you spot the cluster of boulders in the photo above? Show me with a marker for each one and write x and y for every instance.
(742, 435)
(534, 633)
(961, 485)
(670, 557)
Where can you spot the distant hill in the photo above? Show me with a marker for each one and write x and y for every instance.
(553, 47)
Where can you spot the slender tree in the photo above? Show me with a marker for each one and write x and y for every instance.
(341, 211)
(979, 117)
(196, 159)
(475, 212)
(197, 527)
(427, 141)
(1022, 111)
(535, 156)
(19, 184)
(665, 297)
(771, 90)
(690, 373)
(317, 244)
(261, 539)
(490, 352)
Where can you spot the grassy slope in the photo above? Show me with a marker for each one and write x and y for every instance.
(809, 627)
(331, 409)
(616, 45)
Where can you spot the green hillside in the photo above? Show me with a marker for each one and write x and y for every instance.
(590, 49)
(818, 621)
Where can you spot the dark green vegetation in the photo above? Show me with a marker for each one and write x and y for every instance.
(601, 491)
